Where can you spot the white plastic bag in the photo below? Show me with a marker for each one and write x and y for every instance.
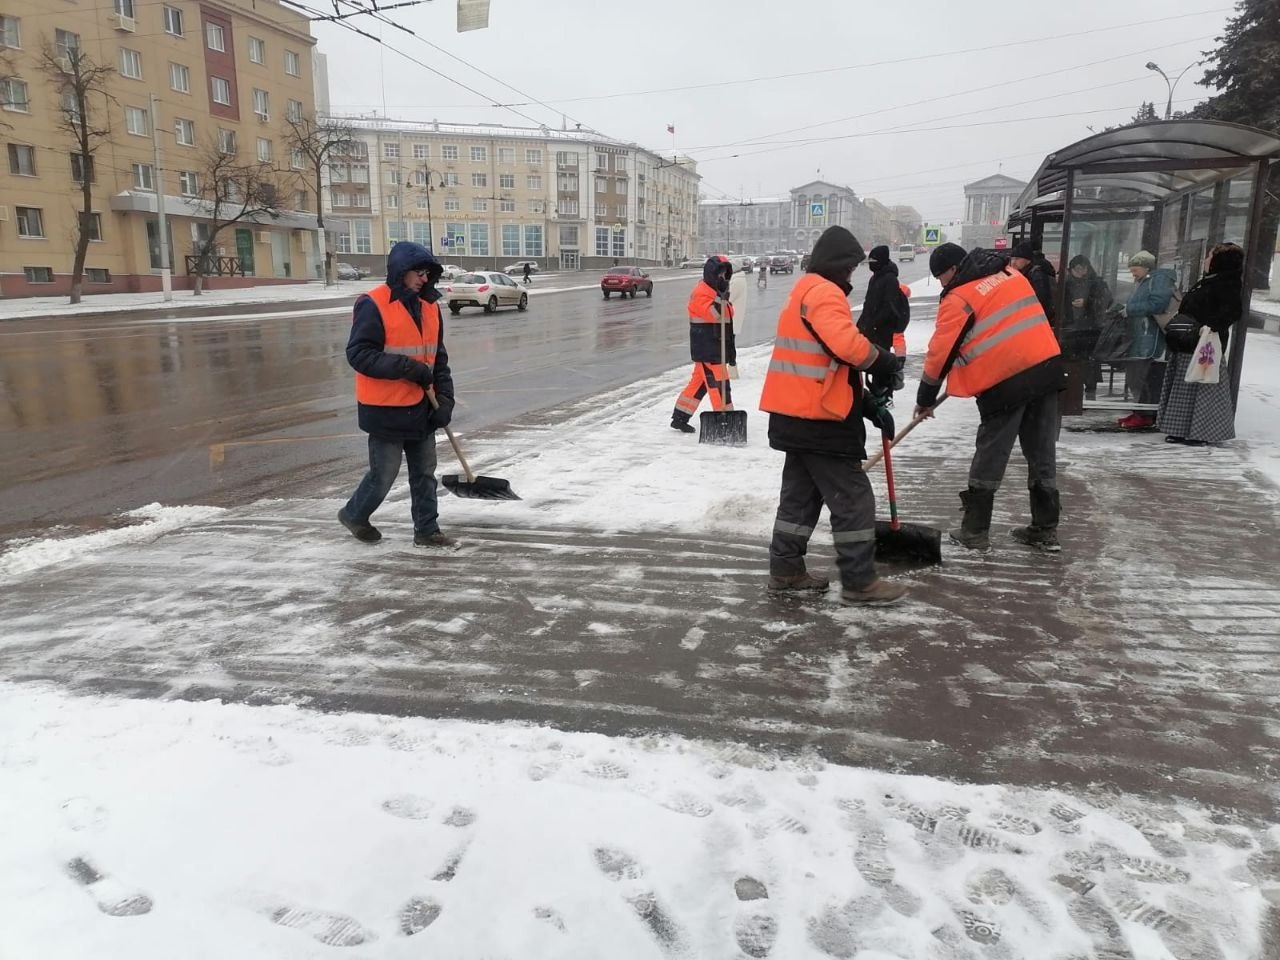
(1206, 360)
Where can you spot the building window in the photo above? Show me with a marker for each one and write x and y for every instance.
(420, 202)
(619, 242)
(215, 38)
(66, 43)
(189, 183)
(620, 187)
(184, 132)
(13, 95)
(339, 173)
(620, 164)
(359, 173)
(363, 236)
(392, 177)
(602, 161)
(124, 7)
(137, 121)
(10, 32)
(393, 201)
(422, 234)
(95, 227)
(299, 199)
(567, 183)
(226, 141)
(97, 274)
(293, 110)
(79, 167)
(533, 157)
(534, 181)
(421, 179)
(538, 207)
(257, 50)
(22, 160)
(38, 274)
(602, 241)
(340, 198)
(344, 239)
(479, 239)
(566, 159)
(293, 65)
(480, 154)
(358, 150)
(507, 155)
(450, 179)
(179, 78)
(567, 208)
(506, 206)
(396, 231)
(510, 240)
(452, 204)
(143, 176)
(221, 91)
(569, 235)
(479, 179)
(507, 181)
(30, 223)
(297, 159)
(602, 185)
(261, 104)
(449, 152)
(621, 211)
(130, 64)
(533, 240)
(70, 107)
(421, 151)
(264, 150)
(173, 21)
(479, 205)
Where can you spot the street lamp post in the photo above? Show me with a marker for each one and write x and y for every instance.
(1171, 84)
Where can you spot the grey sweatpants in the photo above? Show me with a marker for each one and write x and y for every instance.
(1035, 427)
(808, 481)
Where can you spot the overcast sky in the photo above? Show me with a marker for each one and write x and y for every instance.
(917, 64)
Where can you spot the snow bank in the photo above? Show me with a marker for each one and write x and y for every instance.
(139, 830)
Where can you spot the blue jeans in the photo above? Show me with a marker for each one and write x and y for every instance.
(384, 465)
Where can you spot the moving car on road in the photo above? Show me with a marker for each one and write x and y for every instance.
(906, 251)
(745, 264)
(780, 264)
(487, 290)
(626, 280)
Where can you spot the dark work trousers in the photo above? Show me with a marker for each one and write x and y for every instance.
(808, 481)
(1035, 427)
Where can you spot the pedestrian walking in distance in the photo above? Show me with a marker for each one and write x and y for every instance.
(993, 341)
(397, 350)
(815, 399)
(527, 271)
(709, 308)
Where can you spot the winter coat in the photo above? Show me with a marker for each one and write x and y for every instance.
(816, 329)
(1150, 296)
(1217, 300)
(1041, 276)
(885, 311)
(365, 352)
(704, 314)
(1079, 329)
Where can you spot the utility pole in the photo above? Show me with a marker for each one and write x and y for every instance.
(166, 281)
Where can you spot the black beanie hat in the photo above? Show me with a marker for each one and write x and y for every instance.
(879, 254)
(944, 257)
(1024, 250)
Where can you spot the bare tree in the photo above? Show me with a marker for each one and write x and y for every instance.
(318, 139)
(228, 192)
(80, 83)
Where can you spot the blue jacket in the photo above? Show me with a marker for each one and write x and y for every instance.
(1151, 296)
(365, 352)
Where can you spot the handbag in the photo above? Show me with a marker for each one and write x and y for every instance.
(1206, 359)
(1182, 333)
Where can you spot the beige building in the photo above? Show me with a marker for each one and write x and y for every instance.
(487, 196)
(223, 73)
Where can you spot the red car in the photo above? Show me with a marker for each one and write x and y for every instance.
(626, 280)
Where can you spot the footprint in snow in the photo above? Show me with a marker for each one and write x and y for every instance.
(756, 928)
(608, 770)
(688, 804)
(870, 859)
(620, 867)
(460, 817)
(418, 914)
(450, 868)
(111, 896)
(408, 806)
(551, 916)
(81, 813)
(835, 930)
(331, 929)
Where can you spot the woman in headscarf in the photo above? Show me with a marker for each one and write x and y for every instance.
(1200, 413)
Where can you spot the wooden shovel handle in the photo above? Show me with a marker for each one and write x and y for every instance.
(453, 441)
(879, 455)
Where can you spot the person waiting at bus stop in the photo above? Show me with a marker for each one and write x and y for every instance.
(993, 342)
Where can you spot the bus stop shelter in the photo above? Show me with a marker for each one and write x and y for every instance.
(1175, 188)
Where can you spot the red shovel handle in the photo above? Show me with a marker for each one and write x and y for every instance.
(888, 479)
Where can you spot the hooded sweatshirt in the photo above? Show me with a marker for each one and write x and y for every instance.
(366, 355)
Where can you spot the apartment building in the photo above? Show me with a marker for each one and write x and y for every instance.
(224, 74)
(485, 196)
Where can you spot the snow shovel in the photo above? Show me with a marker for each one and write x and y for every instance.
(901, 433)
(724, 426)
(903, 542)
(474, 487)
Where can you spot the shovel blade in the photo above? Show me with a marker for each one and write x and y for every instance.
(725, 427)
(911, 543)
(481, 488)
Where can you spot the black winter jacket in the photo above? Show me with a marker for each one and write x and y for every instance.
(885, 311)
(366, 355)
(1217, 299)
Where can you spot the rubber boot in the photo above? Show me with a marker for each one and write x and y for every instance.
(1046, 505)
(974, 529)
(682, 424)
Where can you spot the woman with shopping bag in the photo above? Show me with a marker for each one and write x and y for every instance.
(1195, 402)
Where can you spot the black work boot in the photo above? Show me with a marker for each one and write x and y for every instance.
(365, 532)
(1043, 531)
(974, 529)
(799, 583)
(682, 424)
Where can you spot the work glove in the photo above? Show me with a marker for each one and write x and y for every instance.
(876, 410)
(420, 373)
(441, 416)
(899, 378)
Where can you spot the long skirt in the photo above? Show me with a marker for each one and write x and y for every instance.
(1195, 411)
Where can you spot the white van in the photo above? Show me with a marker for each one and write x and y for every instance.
(907, 252)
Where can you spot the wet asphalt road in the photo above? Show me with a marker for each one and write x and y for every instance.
(106, 413)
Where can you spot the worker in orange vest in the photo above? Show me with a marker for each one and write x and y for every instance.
(709, 309)
(816, 402)
(397, 350)
(993, 341)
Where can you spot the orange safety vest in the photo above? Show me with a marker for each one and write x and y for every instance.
(1001, 328)
(804, 380)
(404, 338)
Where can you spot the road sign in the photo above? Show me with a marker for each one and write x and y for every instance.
(1002, 243)
(459, 239)
(932, 236)
(445, 241)
(817, 211)
(618, 228)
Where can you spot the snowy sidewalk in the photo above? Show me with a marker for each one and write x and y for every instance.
(1078, 753)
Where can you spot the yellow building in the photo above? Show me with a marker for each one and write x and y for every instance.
(224, 75)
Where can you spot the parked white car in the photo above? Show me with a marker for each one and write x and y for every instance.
(451, 271)
(487, 290)
(517, 269)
